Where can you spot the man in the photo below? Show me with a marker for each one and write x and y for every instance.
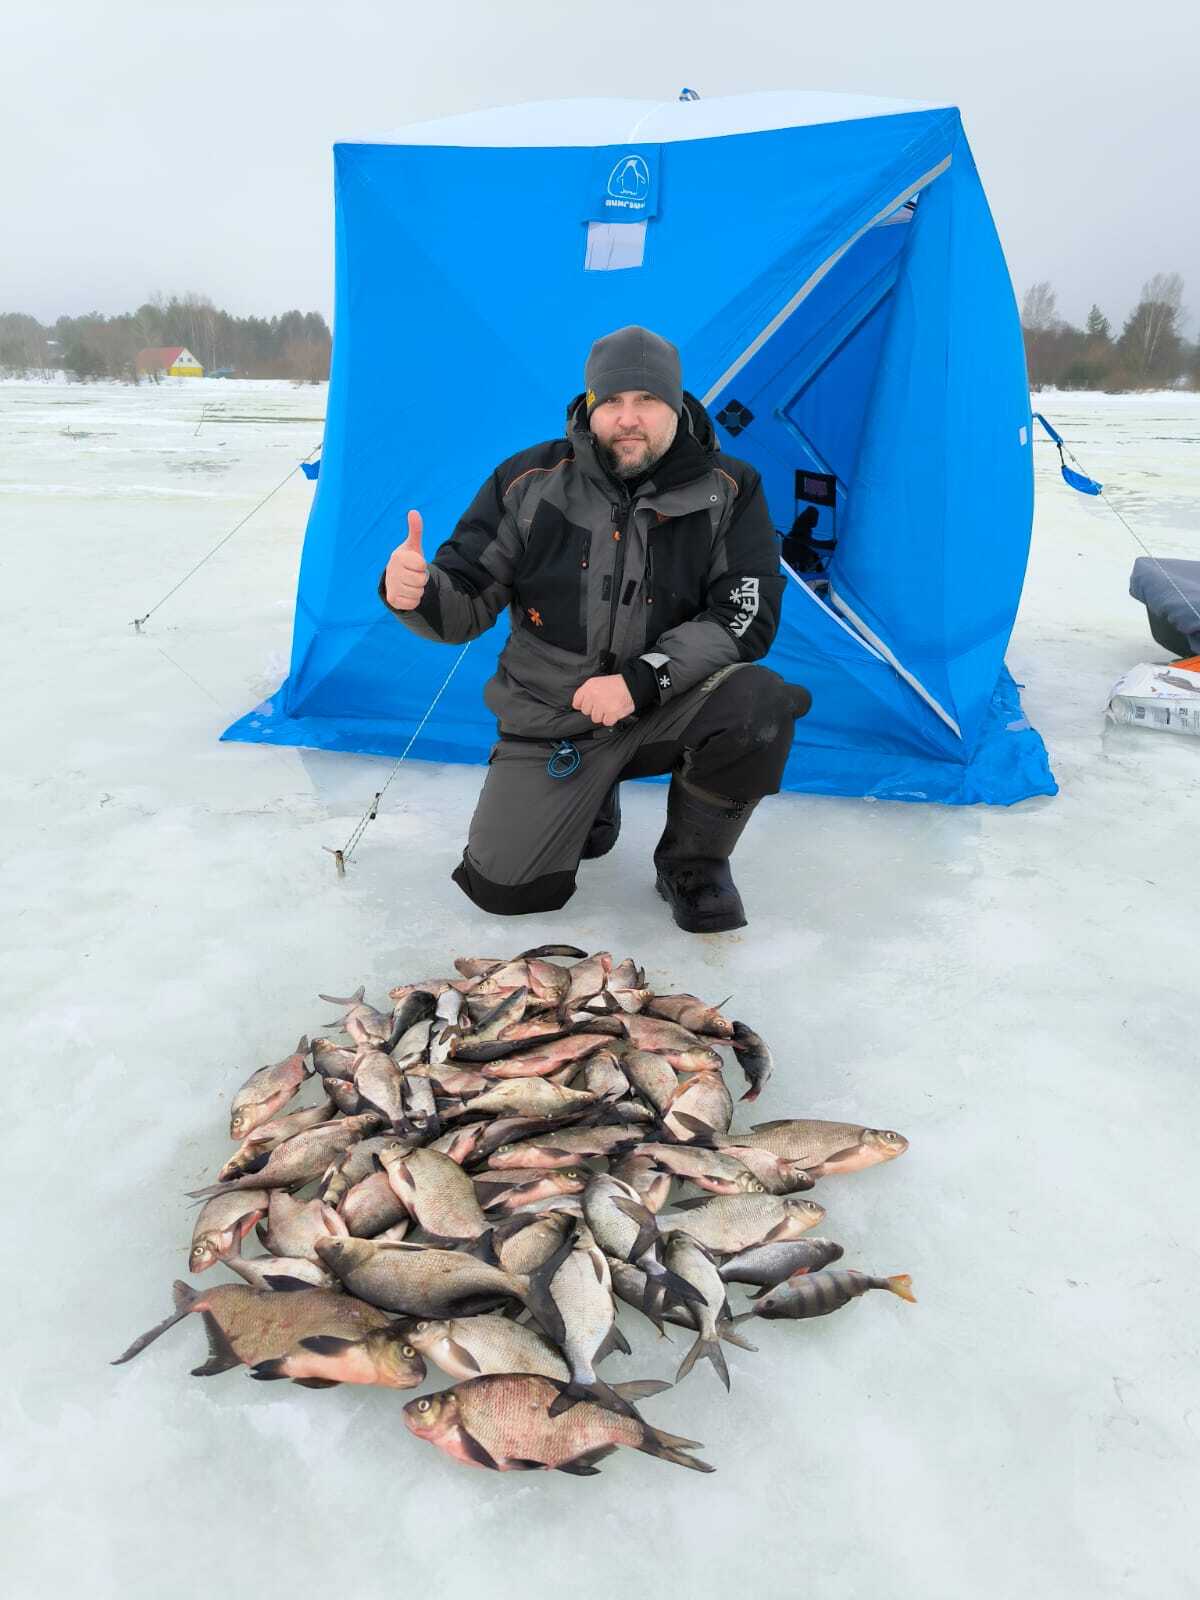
(641, 569)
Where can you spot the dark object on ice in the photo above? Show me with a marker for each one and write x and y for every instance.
(1170, 592)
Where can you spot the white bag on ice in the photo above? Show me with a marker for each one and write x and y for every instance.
(1164, 697)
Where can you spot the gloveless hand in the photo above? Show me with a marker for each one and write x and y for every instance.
(606, 700)
(407, 570)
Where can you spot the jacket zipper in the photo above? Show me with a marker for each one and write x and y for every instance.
(621, 520)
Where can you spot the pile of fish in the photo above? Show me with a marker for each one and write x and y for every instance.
(488, 1175)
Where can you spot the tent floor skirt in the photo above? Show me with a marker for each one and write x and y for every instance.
(1009, 762)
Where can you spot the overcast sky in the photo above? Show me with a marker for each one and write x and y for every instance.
(172, 147)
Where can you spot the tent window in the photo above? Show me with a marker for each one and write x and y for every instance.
(612, 246)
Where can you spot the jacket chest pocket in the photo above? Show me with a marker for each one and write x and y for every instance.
(551, 582)
(677, 564)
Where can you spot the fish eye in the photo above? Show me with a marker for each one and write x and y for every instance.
(423, 1405)
(407, 1350)
(502, 1149)
(757, 1188)
(420, 1327)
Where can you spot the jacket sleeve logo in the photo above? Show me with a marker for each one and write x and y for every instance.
(744, 595)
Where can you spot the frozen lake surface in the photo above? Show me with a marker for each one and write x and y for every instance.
(1015, 990)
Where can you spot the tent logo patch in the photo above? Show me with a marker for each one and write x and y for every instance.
(624, 184)
(629, 180)
(745, 595)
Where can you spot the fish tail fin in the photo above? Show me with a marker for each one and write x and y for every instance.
(268, 1370)
(641, 1388)
(185, 1297)
(671, 1447)
(617, 1397)
(742, 1316)
(676, 1288)
(753, 1092)
(222, 1188)
(901, 1284)
(730, 1334)
(711, 1350)
(345, 999)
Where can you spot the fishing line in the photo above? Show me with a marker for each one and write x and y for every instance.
(342, 856)
(1097, 488)
(137, 622)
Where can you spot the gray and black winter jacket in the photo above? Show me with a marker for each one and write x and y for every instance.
(663, 580)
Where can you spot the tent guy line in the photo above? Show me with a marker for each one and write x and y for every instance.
(1093, 487)
(137, 622)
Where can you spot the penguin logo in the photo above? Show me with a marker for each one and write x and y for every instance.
(629, 179)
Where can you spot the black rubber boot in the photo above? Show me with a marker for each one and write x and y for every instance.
(606, 825)
(692, 858)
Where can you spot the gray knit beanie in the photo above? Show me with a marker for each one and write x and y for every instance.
(633, 358)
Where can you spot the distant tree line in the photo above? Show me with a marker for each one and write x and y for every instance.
(295, 345)
(1150, 351)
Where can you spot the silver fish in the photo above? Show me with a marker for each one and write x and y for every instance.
(700, 1108)
(370, 1207)
(302, 1158)
(694, 1265)
(437, 1193)
(222, 1225)
(294, 1225)
(267, 1091)
(822, 1147)
(267, 1272)
(731, 1223)
(418, 1280)
(267, 1135)
(571, 1297)
(769, 1264)
(652, 1076)
(362, 1022)
(502, 1421)
(690, 1013)
(465, 1347)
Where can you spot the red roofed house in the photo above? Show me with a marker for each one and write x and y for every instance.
(176, 360)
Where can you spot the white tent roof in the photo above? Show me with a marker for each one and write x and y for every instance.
(603, 122)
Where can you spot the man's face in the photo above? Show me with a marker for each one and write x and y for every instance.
(634, 430)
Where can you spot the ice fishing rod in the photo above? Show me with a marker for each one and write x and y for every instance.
(137, 622)
(342, 856)
(1085, 484)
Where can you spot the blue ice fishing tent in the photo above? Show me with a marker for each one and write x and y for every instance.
(829, 269)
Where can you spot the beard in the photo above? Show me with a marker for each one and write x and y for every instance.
(633, 464)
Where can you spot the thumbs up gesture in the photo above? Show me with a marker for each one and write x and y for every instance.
(407, 570)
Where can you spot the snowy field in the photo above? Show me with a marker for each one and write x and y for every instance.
(1015, 990)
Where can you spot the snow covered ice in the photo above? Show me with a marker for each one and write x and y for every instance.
(1012, 989)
